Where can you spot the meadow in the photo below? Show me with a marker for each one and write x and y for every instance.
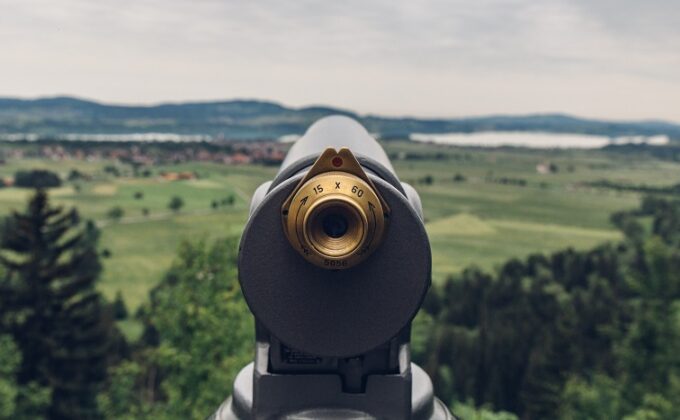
(477, 213)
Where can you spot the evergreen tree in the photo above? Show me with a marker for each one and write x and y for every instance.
(51, 308)
(119, 308)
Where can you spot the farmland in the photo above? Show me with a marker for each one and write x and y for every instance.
(482, 207)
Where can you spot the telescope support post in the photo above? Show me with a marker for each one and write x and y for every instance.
(259, 394)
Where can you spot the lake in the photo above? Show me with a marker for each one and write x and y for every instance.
(534, 140)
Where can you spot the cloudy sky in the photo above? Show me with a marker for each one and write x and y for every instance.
(617, 59)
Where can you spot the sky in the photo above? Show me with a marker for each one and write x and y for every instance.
(613, 59)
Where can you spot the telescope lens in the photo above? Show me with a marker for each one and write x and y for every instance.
(335, 228)
(334, 225)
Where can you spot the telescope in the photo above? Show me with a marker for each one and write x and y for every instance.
(334, 263)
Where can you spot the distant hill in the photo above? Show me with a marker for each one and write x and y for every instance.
(248, 119)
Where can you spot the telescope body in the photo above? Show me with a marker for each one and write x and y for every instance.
(334, 263)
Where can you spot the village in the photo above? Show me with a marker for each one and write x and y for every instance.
(143, 156)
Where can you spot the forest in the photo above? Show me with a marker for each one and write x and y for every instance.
(575, 334)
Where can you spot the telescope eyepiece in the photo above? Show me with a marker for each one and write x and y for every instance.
(335, 218)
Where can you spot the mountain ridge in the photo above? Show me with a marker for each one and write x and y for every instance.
(245, 119)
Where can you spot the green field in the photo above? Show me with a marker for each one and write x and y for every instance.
(476, 222)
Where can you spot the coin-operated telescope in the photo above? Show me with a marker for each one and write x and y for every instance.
(334, 263)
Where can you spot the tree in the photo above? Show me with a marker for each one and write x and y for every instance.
(470, 412)
(198, 335)
(649, 352)
(138, 195)
(9, 362)
(599, 398)
(75, 175)
(50, 307)
(37, 178)
(176, 203)
(16, 401)
(115, 213)
(120, 310)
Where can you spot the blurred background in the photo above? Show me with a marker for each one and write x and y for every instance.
(543, 138)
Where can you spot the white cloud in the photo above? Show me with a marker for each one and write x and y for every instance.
(614, 59)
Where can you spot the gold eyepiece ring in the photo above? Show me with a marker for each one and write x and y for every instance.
(335, 218)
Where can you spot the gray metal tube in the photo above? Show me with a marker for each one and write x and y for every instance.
(336, 131)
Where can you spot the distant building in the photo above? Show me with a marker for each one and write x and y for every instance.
(546, 168)
(237, 159)
(543, 168)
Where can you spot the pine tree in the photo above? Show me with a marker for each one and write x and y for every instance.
(51, 308)
(120, 311)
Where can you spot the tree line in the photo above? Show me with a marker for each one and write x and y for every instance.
(591, 334)
(575, 334)
(639, 188)
(61, 353)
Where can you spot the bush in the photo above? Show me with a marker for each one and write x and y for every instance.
(112, 170)
(228, 201)
(427, 180)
